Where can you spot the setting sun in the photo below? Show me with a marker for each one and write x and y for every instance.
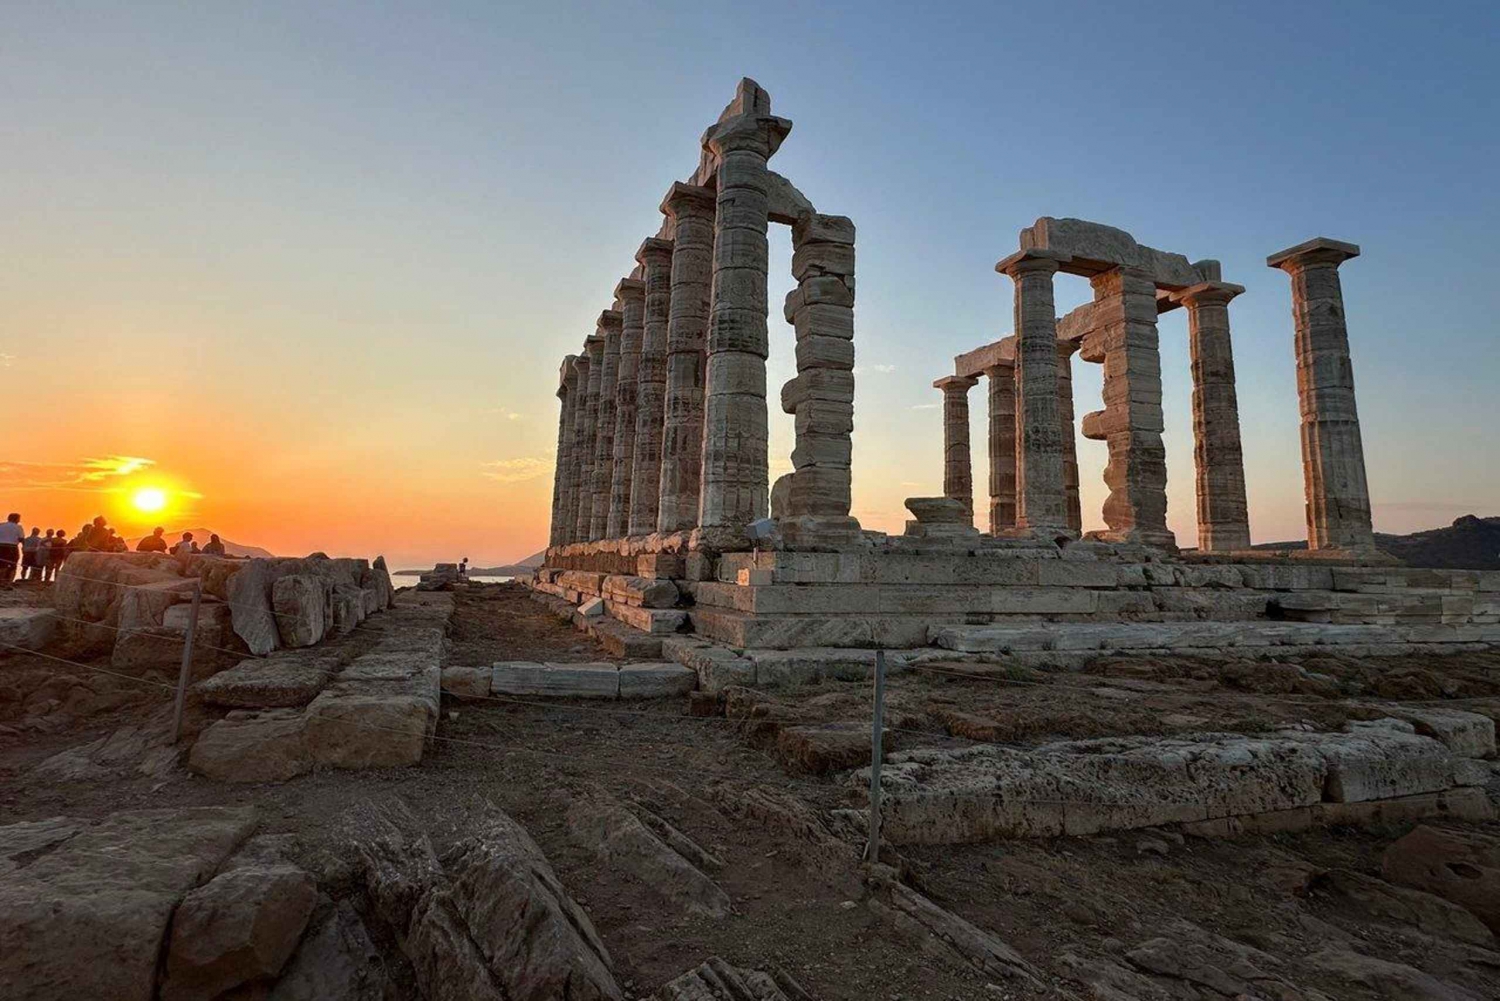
(149, 499)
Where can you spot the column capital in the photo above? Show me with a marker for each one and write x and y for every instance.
(568, 370)
(1211, 293)
(955, 383)
(758, 133)
(689, 200)
(593, 347)
(1030, 261)
(1066, 349)
(630, 288)
(609, 323)
(654, 250)
(1319, 250)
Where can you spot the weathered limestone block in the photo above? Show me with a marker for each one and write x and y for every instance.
(654, 681)
(88, 919)
(1465, 734)
(238, 928)
(350, 729)
(640, 591)
(717, 979)
(267, 683)
(28, 628)
(717, 667)
(1379, 764)
(622, 840)
(268, 746)
(590, 681)
(302, 604)
(466, 682)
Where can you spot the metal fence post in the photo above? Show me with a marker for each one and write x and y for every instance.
(187, 661)
(872, 850)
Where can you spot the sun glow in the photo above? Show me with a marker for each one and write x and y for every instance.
(149, 499)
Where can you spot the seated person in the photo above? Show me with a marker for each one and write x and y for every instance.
(214, 547)
(153, 543)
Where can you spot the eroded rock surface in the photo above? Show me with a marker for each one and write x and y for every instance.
(622, 839)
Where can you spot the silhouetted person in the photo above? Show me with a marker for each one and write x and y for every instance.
(96, 535)
(31, 547)
(187, 546)
(214, 547)
(463, 567)
(154, 543)
(11, 534)
(59, 552)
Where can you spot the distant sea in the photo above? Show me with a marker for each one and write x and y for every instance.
(407, 580)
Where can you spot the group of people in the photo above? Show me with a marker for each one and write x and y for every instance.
(39, 556)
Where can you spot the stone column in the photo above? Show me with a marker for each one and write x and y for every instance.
(733, 486)
(655, 257)
(577, 380)
(1219, 462)
(821, 397)
(604, 434)
(958, 462)
(567, 396)
(585, 432)
(1041, 502)
(1002, 447)
(1333, 455)
(691, 210)
(1069, 433)
(1131, 421)
(630, 295)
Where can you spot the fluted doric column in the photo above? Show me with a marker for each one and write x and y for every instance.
(655, 257)
(630, 295)
(604, 436)
(567, 396)
(585, 431)
(734, 484)
(1333, 454)
(691, 210)
(1218, 459)
(1041, 502)
(1068, 431)
(1002, 447)
(1131, 422)
(958, 461)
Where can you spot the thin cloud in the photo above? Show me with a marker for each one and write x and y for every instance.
(515, 470)
(81, 474)
(6, 361)
(924, 406)
(885, 369)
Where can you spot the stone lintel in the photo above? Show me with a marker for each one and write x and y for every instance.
(1076, 324)
(1092, 248)
(1030, 260)
(629, 288)
(997, 354)
(1208, 291)
(1312, 251)
(653, 247)
(963, 382)
(688, 199)
(785, 203)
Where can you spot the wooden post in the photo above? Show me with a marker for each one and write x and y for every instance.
(187, 661)
(872, 850)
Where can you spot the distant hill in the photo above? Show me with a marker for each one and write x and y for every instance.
(200, 536)
(508, 570)
(1470, 543)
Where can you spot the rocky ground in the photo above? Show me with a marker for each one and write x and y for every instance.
(691, 828)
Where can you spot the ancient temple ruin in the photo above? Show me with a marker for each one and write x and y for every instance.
(662, 456)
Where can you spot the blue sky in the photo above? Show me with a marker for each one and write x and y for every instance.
(381, 225)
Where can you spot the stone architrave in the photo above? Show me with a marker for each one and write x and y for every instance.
(604, 434)
(1218, 460)
(690, 210)
(821, 397)
(655, 257)
(1131, 423)
(1333, 455)
(1041, 503)
(1002, 447)
(567, 395)
(958, 462)
(630, 293)
(585, 429)
(734, 488)
(1067, 429)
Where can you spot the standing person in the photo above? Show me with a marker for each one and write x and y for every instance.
(58, 553)
(154, 543)
(186, 547)
(96, 535)
(214, 547)
(31, 547)
(11, 534)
